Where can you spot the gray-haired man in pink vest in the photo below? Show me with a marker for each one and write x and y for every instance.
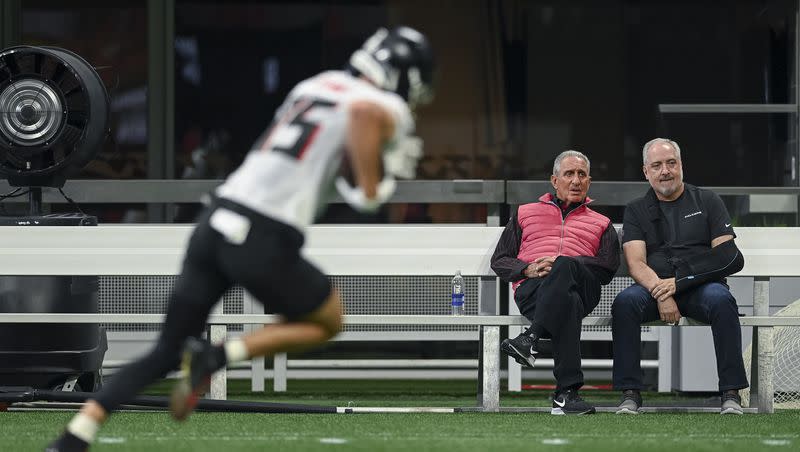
(557, 252)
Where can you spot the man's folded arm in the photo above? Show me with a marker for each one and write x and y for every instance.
(723, 259)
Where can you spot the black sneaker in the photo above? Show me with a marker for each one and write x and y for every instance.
(730, 403)
(631, 402)
(197, 364)
(570, 402)
(522, 348)
(67, 442)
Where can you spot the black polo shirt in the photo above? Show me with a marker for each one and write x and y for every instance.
(680, 228)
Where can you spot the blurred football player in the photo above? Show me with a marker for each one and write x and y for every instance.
(252, 231)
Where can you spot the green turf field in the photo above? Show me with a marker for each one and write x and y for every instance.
(155, 431)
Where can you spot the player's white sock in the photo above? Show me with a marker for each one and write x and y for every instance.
(235, 351)
(84, 427)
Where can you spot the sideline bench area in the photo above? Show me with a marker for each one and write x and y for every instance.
(366, 251)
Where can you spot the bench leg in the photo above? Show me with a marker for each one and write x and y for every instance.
(763, 351)
(489, 372)
(257, 372)
(664, 359)
(279, 368)
(217, 335)
(219, 381)
(766, 356)
(754, 348)
(514, 369)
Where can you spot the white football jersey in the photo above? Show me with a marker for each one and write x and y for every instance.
(289, 174)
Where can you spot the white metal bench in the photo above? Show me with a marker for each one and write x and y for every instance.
(362, 250)
(338, 250)
(769, 252)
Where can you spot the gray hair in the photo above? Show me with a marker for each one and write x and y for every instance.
(650, 144)
(570, 153)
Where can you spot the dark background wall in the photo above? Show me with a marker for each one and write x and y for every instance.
(519, 81)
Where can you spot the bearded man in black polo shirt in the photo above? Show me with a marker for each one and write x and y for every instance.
(678, 244)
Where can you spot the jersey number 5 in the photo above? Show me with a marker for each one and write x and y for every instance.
(294, 132)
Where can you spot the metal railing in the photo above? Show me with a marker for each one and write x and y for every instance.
(494, 194)
(621, 193)
(100, 191)
(466, 191)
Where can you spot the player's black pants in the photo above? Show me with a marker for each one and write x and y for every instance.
(558, 303)
(268, 264)
(196, 291)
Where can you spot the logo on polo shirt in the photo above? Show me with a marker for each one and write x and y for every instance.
(693, 214)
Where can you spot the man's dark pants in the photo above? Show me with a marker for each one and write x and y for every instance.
(558, 303)
(709, 303)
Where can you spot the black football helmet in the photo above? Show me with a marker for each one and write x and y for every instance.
(398, 60)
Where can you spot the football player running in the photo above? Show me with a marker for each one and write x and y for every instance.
(252, 230)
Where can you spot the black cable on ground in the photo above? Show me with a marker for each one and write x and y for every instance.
(21, 394)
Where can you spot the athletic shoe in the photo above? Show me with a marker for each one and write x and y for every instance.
(67, 442)
(522, 348)
(570, 402)
(197, 365)
(631, 402)
(731, 403)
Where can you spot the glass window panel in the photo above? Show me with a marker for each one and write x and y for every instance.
(235, 62)
(731, 149)
(112, 37)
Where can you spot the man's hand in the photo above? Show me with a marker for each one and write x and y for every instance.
(665, 288)
(668, 310)
(540, 267)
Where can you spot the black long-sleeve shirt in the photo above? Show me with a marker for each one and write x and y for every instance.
(510, 269)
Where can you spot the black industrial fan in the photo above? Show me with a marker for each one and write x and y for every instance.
(53, 120)
(53, 115)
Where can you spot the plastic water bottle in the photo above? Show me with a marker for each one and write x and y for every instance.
(457, 303)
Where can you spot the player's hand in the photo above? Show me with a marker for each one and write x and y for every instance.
(356, 198)
(401, 156)
(665, 288)
(668, 311)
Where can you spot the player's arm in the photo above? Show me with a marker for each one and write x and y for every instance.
(369, 128)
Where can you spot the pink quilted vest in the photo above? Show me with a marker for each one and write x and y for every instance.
(544, 233)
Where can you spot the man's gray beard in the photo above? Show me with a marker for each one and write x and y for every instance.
(666, 192)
